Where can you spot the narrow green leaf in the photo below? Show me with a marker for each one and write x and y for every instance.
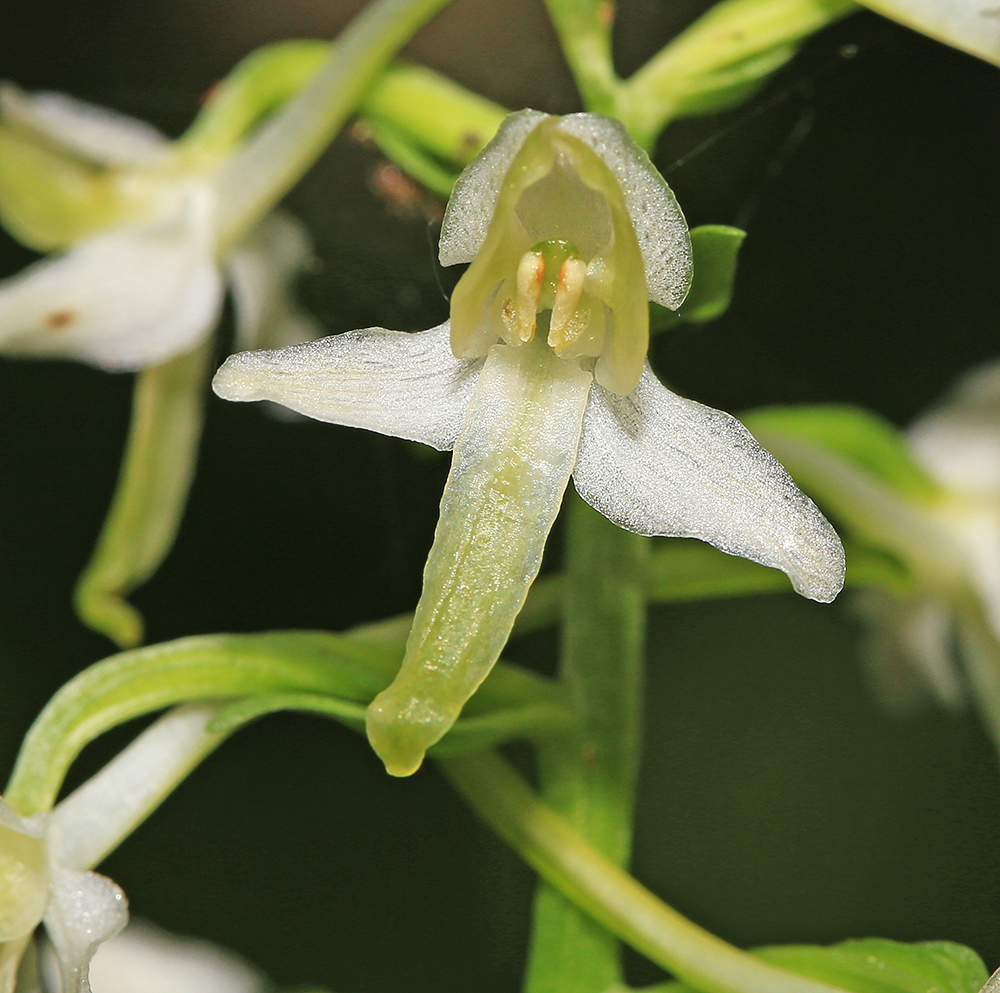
(149, 500)
(860, 436)
(714, 248)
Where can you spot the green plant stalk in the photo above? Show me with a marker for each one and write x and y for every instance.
(584, 30)
(589, 776)
(437, 115)
(152, 489)
(606, 892)
(336, 675)
(250, 183)
(731, 33)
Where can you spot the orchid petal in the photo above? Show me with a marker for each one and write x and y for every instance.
(969, 25)
(262, 269)
(510, 469)
(657, 464)
(146, 959)
(133, 297)
(407, 385)
(94, 819)
(958, 442)
(474, 197)
(656, 216)
(84, 910)
(98, 134)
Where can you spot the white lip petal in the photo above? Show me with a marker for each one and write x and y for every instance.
(406, 385)
(657, 464)
(508, 475)
(91, 132)
(659, 223)
(123, 300)
(84, 910)
(262, 269)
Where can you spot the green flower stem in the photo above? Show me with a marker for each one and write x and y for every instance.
(336, 675)
(589, 776)
(256, 87)
(412, 159)
(272, 161)
(608, 893)
(584, 29)
(153, 485)
(728, 51)
(436, 114)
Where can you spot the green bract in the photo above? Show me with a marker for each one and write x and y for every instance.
(570, 231)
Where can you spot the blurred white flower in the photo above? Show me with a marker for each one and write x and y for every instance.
(139, 272)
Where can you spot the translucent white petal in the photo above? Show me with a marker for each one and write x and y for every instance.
(657, 464)
(659, 222)
(958, 442)
(262, 269)
(510, 469)
(133, 297)
(406, 385)
(104, 136)
(96, 817)
(971, 25)
(84, 910)
(474, 196)
(145, 959)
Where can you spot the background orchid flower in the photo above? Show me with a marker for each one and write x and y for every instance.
(142, 277)
(541, 374)
(930, 499)
(146, 959)
(46, 857)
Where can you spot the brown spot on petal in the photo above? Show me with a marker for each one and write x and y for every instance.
(59, 319)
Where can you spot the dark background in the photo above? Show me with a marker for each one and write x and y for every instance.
(778, 803)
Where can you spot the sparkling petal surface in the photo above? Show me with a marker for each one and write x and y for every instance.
(474, 196)
(84, 910)
(406, 385)
(658, 464)
(659, 223)
(124, 300)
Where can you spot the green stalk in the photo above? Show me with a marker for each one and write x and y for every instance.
(286, 145)
(152, 489)
(720, 60)
(589, 776)
(608, 893)
(584, 29)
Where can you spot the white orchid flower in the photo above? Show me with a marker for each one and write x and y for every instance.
(141, 274)
(539, 375)
(956, 603)
(45, 859)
